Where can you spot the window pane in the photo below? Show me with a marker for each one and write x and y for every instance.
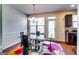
(41, 29)
(32, 29)
(74, 21)
(41, 21)
(74, 18)
(32, 22)
(32, 36)
(52, 17)
(74, 25)
(41, 37)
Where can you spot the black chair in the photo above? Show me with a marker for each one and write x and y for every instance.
(25, 44)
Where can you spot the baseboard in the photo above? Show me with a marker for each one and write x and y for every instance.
(11, 47)
(59, 41)
(1, 48)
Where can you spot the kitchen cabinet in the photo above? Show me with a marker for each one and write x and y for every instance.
(72, 38)
(68, 20)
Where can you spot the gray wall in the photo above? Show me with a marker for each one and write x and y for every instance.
(0, 24)
(13, 23)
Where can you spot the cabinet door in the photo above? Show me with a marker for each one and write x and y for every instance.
(68, 20)
(75, 38)
(70, 38)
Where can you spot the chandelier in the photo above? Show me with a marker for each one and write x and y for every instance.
(33, 18)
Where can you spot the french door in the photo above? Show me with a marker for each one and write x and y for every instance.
(51, 27)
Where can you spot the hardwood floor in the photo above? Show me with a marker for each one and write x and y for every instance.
(69, 49)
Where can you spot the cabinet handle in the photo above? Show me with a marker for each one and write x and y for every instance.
(72, 37)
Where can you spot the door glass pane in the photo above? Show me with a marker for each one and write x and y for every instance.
(51, 27)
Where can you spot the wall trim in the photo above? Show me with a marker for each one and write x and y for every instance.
(11, 47)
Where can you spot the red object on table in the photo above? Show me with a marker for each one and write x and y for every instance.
(19, 51)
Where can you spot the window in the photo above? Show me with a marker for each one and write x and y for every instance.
(74, 21)
(51, 27)
(37, 25)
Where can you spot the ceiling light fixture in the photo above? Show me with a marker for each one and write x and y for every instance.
(72, 5)
(33, 18)
(34, 10)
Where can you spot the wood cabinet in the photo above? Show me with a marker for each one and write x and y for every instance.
(72, 38)
(70, 32)
(68, 20)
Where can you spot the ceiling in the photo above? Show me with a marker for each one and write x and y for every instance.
(41, 8)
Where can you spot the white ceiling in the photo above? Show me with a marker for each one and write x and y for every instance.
(41, 8)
